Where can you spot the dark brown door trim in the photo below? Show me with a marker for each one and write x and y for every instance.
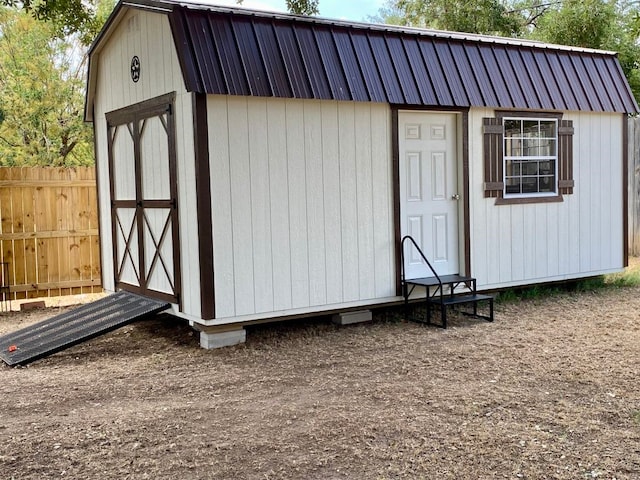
(133, 118)
(465, 189)
(395, 149)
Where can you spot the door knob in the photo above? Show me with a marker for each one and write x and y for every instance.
(455, 196)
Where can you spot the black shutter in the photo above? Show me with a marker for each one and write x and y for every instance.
(565, 157)
(493, 131)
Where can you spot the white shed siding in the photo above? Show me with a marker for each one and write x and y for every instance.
(302, 204)
(581, 236)
(148, 36)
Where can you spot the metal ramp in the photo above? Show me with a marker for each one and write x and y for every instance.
(78, 325)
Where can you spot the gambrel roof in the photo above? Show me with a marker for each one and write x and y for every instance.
(235, 51)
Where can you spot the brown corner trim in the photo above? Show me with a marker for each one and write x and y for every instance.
(395, 160)
(98, 192)
(625, 191)
(203, 202)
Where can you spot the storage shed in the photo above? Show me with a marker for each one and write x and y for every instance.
(256, 166)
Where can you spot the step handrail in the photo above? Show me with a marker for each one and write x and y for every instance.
(410, 238)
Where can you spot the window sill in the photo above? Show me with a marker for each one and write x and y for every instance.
(526, 200)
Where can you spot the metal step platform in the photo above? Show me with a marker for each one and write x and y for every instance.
(442, 291)
(446, 291)
(76, 326)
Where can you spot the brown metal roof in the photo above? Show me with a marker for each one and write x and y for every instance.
(234, 51)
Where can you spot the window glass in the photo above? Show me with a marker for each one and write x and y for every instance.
(530, 157)
(548, 130)
(512, 128)
(531, 128)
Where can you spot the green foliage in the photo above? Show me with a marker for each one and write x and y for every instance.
(303, 7)
(389, 13)
(42, 96)
(591, 284)
(299, 7)
(535, 292)
(472, 16)
(67, 17)
(630, 277)
(582, 23)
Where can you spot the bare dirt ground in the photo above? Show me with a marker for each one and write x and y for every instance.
(551, 390)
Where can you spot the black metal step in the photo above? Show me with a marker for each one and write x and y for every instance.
(76, 326)
(434, 293)
(438, 297)
(460, 299)
(444, 279)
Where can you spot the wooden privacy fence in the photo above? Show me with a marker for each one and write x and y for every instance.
(49, 230)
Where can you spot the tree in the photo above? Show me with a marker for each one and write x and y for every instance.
(303, 7)
(299, 7)
(581, 23)
(389, 13)
(471, 16)
(68, 17)
(42, 94)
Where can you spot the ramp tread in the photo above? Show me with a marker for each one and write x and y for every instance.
(76, 326)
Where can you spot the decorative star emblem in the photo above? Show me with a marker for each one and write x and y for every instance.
(135, 69)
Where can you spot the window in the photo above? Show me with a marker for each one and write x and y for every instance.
(530, 157)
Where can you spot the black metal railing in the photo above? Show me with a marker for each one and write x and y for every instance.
(402, 267)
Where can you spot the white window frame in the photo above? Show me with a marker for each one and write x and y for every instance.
(553, 158)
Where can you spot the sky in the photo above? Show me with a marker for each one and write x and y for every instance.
(353, 10)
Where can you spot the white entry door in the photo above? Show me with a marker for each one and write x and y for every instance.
(429, 197)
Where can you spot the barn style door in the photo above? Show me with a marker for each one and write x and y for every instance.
(429, 198)
(144, 209)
